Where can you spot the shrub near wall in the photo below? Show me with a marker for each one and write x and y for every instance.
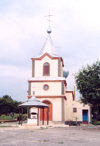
(15, 117)
(5, 117)
(94, 122)
(98, 123)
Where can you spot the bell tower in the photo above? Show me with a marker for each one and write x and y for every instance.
(47, 82)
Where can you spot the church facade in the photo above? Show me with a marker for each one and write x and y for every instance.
(48, 84)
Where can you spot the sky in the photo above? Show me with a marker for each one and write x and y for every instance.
(23, 23)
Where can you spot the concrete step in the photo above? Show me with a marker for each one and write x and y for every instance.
(53, 123)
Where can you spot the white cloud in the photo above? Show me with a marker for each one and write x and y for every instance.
(76, 33)
(14, 81)
(10, 71)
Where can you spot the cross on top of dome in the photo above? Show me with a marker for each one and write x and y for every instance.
(48, 46)
(49, 20)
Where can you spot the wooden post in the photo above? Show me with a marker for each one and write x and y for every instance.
(48, 116)
(38, 118)
(19, 116)
(43, 117)
(28, 112)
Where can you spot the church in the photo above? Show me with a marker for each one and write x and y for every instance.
(49, 84)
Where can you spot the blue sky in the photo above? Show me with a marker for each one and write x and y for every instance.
(75, 33)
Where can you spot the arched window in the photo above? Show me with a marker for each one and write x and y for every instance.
(46, 69)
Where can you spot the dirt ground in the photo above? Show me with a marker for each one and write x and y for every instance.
(66, 136)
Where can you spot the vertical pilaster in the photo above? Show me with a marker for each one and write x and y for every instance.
(59, 68)
(29, 88)
(62, 87)
(33, 68)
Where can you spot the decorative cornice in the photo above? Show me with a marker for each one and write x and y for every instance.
(48, 81)
(29, 96)
(48, 96)
(46, 54)
(51, 96)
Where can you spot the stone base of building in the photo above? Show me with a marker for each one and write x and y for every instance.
(32, 121)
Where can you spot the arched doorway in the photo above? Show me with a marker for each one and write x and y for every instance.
(45, 111)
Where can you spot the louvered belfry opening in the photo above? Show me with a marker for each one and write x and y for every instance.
(46, 69)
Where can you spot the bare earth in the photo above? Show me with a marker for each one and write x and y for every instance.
(69, 136)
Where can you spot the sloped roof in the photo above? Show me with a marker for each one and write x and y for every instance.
(33, 102)
(49, 48)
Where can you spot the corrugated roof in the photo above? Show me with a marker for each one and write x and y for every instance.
(33, 102)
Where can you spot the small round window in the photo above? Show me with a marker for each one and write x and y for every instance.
(46, 87)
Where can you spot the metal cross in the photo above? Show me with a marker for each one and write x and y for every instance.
(49, 18)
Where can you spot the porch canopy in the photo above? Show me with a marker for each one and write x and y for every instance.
(33, 102)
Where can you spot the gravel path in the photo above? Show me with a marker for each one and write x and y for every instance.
(69, 136)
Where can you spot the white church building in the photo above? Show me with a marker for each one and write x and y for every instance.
(49, 83)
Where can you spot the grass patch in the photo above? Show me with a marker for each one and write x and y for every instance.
(42, 128)
(45, 140)
(73, 133)
(60, 142)
(32, 131)
(5, 126)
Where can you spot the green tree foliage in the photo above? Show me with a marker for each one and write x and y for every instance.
(8, 105)
(88, 84)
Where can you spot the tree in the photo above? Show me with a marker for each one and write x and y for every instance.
(8, 105)
(88, 84)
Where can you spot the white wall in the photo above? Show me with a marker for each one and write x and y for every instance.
(80, 106)
(53, 67)
(69, 107)
(54, 88)
(56, 108)
(70, 104)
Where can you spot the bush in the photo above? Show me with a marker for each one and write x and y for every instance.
(7, 117)
(14, 117)
(94, 122)
(24, 117)
(97, 122)
(72, 123)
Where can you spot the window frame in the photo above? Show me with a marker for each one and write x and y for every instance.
(74, 110)
(44, 72)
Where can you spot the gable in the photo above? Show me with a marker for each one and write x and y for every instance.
(50, 57)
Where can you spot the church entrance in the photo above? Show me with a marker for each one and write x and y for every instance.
(45, 111)
(85, 116)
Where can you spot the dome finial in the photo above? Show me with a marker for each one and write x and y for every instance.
(49, 20)
(49, 30)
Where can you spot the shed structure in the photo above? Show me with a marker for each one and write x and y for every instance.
(33, 117)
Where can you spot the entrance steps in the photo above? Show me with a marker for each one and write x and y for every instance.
(53, 123)
(58, 122)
